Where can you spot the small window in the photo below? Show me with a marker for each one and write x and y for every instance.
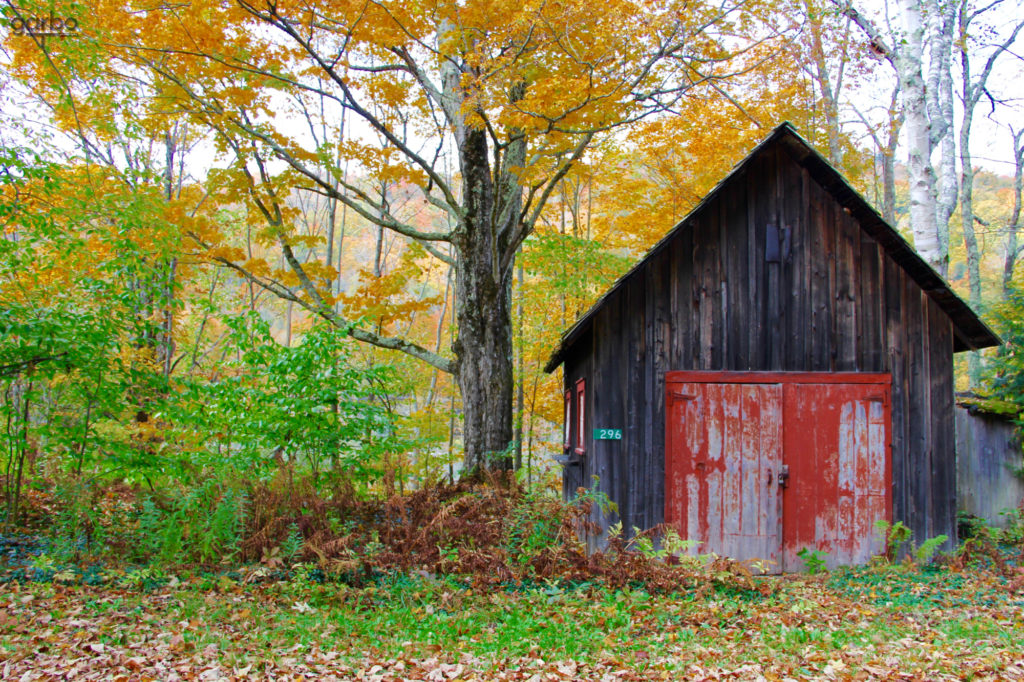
(581, 401)
(567, 438)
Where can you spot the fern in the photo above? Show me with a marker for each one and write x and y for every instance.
(923, 555)
(293, 543)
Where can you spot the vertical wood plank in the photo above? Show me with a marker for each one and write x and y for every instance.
(716, 484)
(757, 218)
(940, 366)
(870, 307)
(895, 339)
(846, 482)
(717, 286)
(847, 267)
(704, 257)
(684, 319)
(918, 461)
(636, 326)
(658, 364)
(732, 489)
(750, 469)
(771, 462)
(738, 316)
(821, 322)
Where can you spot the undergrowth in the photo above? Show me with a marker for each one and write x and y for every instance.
(487, 530)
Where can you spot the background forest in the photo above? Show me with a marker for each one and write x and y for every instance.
(240, 273)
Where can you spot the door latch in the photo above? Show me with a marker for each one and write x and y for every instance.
(784, 476)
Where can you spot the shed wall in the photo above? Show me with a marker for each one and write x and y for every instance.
(772, 274)
(987, 452)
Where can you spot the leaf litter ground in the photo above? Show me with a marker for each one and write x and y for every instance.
(891, 622)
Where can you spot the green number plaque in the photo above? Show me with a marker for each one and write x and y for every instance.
(607, 434)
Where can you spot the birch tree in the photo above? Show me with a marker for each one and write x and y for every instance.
(926, 115)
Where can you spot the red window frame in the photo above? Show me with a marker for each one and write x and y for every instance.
(581, 403)
(567, 436)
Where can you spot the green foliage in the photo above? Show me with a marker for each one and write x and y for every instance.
(1004, 372)
(893, 536)
(83, 272)
(1013, 532)
(573, 267)
(291, 548)
(667, 545)
(896, 535)
(204, 524)
(926, 552)
(813, 560)
(307, 405)
(534, 526)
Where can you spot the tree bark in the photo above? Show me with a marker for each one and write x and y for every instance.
(919, 144)
(829, 94)
(1013, 222)
(483, 309)
(941, 25)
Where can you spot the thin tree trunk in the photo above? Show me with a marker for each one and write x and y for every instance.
(519, 372)
(288, 325)
(85, 429)
(14, 489)
(529, 450)
(439, 335)
(972, 92)
(1013, 222)
(829, 95)
(889, 159)
(451, 438)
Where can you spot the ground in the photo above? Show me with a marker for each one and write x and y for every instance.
(885, 622)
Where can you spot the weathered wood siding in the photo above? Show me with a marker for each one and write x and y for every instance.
(770, 274)
(987, 452)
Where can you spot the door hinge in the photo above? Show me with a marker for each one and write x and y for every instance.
(784, 476)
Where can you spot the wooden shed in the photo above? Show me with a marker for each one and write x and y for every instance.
(776, 373)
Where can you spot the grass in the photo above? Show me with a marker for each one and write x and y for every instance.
(878, 621)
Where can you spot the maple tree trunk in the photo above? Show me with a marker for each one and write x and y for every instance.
(483, 310)
(485, 371)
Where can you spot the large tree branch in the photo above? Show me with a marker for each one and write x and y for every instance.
(326, 312)
(329, 189)
(530, 214)
(16, 368)
(272, 17)
(877, 42)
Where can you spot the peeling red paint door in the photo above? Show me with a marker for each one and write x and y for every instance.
(729, 436)
(837, 450)
(725, 449)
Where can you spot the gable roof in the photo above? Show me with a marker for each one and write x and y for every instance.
(969, 332)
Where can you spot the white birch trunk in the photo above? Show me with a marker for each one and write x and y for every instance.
(919, 168)
(941, 24)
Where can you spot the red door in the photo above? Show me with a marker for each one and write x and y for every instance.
(837, 449)
(761, 465)
(727, 442)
